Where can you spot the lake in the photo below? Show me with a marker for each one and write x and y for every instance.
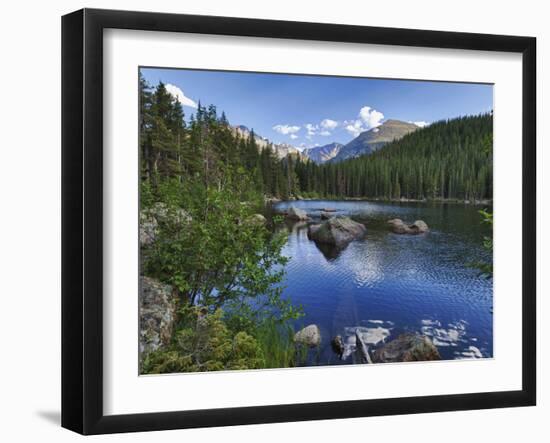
(387, 284)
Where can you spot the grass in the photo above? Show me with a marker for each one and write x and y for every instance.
(277, 343)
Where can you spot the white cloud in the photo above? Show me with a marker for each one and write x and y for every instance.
(329, 124)
(354, 127)
(311, 129)
(421, 124)
(325, 133)
(293, 136)
(286, 129)
(370, 117)
(178, 93)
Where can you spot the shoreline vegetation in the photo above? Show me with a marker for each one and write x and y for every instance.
(212, 270)
(483, 202)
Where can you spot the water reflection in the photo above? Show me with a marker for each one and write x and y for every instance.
(405, 280)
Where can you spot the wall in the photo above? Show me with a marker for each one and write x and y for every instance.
(30, 221)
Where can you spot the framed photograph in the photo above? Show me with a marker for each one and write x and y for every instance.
(269, 221)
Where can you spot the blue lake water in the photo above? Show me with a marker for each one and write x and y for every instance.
(388, 284)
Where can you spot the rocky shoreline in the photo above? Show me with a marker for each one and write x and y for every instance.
(369, 346)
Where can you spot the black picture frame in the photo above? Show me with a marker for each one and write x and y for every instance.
(82, 218)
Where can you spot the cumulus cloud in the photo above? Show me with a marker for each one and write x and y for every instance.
(286, 129)
(178, 93)
(293, 136)
(311, 129)
(421, 124)
(329, 124)
(324, 133)
(354, 127)
(370, 117)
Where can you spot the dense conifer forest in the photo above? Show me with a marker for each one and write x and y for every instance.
(447, 160)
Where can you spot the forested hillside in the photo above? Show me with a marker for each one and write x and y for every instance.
(206, 148)
(447, 160)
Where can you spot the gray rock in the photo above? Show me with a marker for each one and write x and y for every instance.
(407, 347)
(419, 227)
(362, 355)
(326, 215)
(257, 219)
(337, 345)
(308, 336)
(398, 226)
(296, 214)
(159, 213)
(148, 229)
(157, 314)
(337, 231)
(312, 229)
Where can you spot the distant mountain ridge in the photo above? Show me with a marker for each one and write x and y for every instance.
(369, 141)
(281, 150)
(322, 154)
(365, 143)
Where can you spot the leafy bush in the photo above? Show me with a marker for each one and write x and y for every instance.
(204, 343)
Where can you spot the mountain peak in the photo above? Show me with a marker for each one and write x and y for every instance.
(325, 153)
(369, 141)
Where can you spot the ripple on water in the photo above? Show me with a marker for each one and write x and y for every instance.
(407, 280)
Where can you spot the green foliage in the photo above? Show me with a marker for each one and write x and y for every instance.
(204, 343)
(202, 184)
(216, 255)
(486, 268)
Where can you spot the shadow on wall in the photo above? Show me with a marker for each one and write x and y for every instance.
(54, 417)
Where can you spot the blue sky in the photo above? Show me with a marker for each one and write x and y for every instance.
(306, 111)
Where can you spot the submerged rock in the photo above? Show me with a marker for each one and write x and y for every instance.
(337, 231)
(296, 214)
(398, 226)
(362, 355)
(308, 336)
(407, 347)
(337, 345)
(157, 314)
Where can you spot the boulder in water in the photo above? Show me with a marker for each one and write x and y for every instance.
(362, 355)
(296, 214)
(419, 227)
(398, 226)
(309, 336)
(337, 231)
(407, 347)
(326, 215)
(337, 345)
